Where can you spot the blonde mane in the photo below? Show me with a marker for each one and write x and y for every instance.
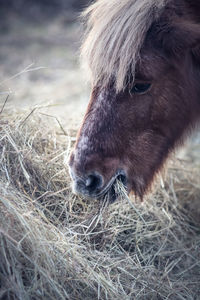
(115, 33)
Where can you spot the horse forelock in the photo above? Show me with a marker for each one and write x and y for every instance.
(114, 36)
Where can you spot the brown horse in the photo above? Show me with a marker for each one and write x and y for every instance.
(144, 60)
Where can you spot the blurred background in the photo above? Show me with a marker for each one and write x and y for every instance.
(39, 58)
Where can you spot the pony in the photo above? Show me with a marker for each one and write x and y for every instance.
(142, 58)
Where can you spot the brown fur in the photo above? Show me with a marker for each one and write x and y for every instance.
(136, 133)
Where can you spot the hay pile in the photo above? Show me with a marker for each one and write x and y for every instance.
(54, 245)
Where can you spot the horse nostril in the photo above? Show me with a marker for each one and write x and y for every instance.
(93, 182)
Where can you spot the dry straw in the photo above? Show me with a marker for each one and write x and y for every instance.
(54, 245)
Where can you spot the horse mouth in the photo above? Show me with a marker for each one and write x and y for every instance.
(111, 192)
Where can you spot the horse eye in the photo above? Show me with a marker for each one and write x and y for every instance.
(140, 88)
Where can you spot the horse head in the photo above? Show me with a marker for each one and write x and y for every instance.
(144, 61)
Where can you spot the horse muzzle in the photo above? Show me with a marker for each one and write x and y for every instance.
(94, 185)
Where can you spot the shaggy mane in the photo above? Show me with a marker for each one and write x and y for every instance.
(115, 33)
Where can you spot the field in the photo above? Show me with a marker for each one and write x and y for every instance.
(54, 245)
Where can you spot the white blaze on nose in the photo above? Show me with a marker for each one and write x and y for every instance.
(82, 146)
(98, 105)
(100, 99)
(83, 142)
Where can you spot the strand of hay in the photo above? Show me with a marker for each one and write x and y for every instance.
(54, 245)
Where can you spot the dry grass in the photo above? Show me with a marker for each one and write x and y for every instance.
(56, 246)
